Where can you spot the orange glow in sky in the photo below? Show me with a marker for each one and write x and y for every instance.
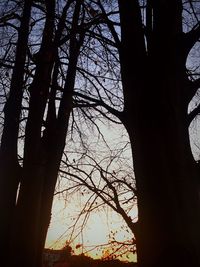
(103, 224)
(96, 232)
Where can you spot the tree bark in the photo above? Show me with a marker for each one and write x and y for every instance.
(25, 232)
(10, 170)
(43, 154)
(56, 130)
(168, 197)
(155, 116)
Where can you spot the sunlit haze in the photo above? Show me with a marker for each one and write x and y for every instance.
(93, 231)
(95, 235)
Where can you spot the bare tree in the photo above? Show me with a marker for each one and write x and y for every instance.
(29, 218)
(106, 174)
(159, 82)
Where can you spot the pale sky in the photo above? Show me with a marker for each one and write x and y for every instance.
(101, 223)
(96, 232)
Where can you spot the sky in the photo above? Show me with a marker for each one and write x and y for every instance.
(103, 224)
(100, 228)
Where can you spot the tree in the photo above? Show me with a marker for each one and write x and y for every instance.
(156, 93)
(103, 177)
(9, 166)
(38, 119)
(169, 182)
(157, 90)
(25, 226)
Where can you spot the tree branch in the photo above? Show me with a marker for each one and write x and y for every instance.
(191, 37)
(118, 114)
(193, 114)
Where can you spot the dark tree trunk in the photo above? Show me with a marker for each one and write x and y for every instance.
(56, 130)
(155, 116)
(25, 232)
(10, 170)
(43, 154)
(168, 200)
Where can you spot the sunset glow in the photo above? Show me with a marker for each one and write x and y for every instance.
(93, 240)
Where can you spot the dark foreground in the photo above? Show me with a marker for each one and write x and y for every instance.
(54, 258)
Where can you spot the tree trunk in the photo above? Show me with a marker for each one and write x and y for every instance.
(25, 232)
(155, 116)
(43, 153)
(10, 171)
(168, 200)
(56, 132)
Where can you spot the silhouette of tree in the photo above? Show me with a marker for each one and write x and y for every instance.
(129, 60)
(9, 166)
(168, 186)
(159, 81)
(43, 33)
(106, 179)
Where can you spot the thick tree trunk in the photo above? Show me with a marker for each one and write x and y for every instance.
(56, 132)
(43, 153)
(166, 173)
(168, 197)
(10, 171)
(25, 232)
(155, 116)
